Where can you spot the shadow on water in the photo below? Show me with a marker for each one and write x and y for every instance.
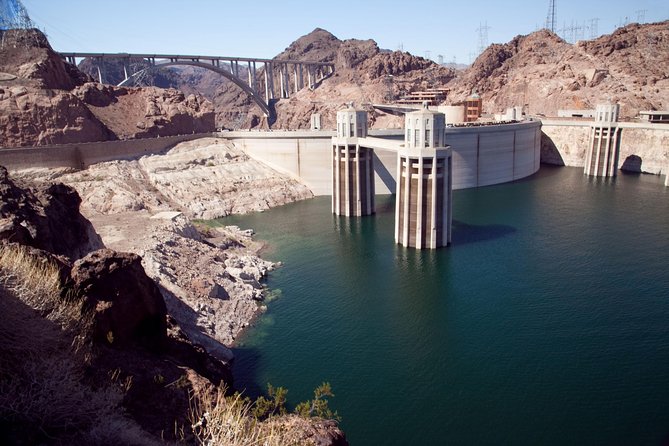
(245, 371)
(464, 233)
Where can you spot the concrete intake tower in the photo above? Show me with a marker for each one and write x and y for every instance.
(424, 175)
(424, 183)
(352, 166)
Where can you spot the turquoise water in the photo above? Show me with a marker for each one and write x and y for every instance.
(546, 321)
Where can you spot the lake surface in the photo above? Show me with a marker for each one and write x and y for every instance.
(546, 321)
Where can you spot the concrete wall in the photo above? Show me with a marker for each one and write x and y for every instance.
(644, 147)
(82, 155)
(482, 155)
(494, 154)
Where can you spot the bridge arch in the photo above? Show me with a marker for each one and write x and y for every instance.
(255, 97)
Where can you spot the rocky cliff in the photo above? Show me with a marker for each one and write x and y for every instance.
(113, 322)
(539, 70)
(44, 100)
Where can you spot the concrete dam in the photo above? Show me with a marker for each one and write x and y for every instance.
(422, 168)
(482, 155)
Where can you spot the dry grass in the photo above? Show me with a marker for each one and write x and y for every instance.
(42, 394)
(219, 420)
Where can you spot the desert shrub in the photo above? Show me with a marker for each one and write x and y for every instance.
(220, 419)
(319, 405)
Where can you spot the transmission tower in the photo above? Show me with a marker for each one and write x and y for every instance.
(579, 32)
(550, 17)
(440, 59)
(593, 28)
(14, 16)
(641, 15)
(483, 36)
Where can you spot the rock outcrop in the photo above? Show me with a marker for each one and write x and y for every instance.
(127, 306)
(106, 308)
(44, 100)
(46, 218)
(540, 71)
(207, 178)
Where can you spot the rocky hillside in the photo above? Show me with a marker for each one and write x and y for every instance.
(360, 70)
(546, 73)
(99, 346)
(78, 320)
(540, 70)
(46, 101)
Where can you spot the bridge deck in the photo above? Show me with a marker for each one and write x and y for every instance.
(77, 55)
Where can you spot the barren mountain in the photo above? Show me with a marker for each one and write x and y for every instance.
(44, 100)
(545, 73)
(360, 71)
(539, 70)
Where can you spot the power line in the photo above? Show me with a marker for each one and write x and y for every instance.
(483, 36)
(551, 17)
(593, 27)
(14, 16)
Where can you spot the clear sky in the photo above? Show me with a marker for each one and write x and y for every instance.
(261, 28)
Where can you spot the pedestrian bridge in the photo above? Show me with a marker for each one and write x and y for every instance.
(264, 80)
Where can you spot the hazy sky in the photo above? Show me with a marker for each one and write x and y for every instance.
(259, 28)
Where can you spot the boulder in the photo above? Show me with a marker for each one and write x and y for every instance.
(126, 303)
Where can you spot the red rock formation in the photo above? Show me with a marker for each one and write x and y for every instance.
(360, 70)
(51, 102)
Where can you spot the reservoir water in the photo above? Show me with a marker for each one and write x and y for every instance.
(546, 321)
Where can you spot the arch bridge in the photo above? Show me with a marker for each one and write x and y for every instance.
(261, 79)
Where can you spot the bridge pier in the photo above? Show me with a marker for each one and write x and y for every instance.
(604, 147)
(352, 166)
(424, 183)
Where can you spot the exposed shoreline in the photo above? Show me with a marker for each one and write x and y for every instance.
(211, 277)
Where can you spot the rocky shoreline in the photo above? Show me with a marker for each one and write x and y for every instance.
(210, 277)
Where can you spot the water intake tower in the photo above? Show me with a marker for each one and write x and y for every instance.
(352, 166)
(424, 183)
